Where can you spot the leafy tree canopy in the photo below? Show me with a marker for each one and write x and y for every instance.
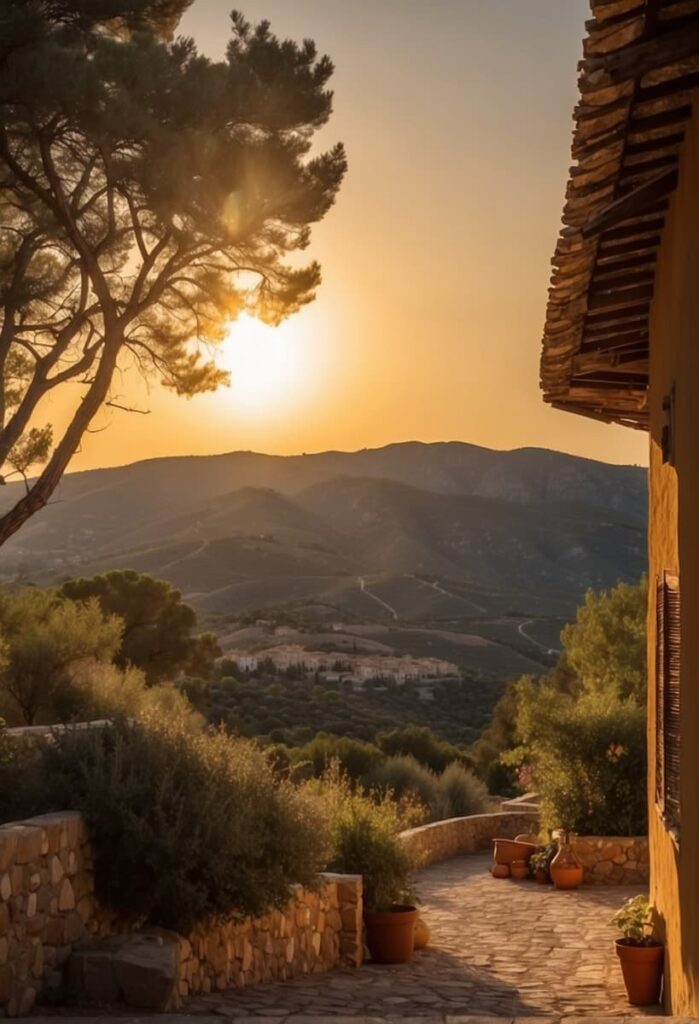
(158, 634)
(44, 639)
(148, 196)
(604, 656)
(606, 645)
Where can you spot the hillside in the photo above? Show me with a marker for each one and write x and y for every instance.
(450, 536)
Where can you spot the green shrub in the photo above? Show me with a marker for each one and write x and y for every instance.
(421, 743)
(404, 778)
(586, 759)
(461, 793)
(356, 758)
(365, 840)
(99, 690)
(184, 825)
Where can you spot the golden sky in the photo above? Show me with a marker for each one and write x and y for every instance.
(456, 116)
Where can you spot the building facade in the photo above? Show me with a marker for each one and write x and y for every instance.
(621, 344)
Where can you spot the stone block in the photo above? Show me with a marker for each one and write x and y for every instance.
(139, 969)
(30, 840)
(66, 896)
(8, 846)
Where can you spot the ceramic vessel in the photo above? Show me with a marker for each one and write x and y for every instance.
(390, 934)
(507, 850)
(500, 871)
(566, 870)
(519, 869)
(642, 967)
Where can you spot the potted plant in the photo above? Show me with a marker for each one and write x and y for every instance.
(366, 842)
(640, 954)
(540, 863)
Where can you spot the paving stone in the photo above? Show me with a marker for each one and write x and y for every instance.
(515, 952)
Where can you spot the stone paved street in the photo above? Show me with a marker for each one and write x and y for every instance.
(499, 948)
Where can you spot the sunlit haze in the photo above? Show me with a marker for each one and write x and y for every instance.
(456, 119)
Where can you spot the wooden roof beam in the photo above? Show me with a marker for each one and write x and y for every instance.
(638, 199)
(637, 420)
(639, 58)
(596, 362)
(619, 298)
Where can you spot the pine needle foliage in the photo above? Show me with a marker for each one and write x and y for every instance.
(148, 196)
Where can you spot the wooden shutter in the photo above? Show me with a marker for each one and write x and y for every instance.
(659, 691)
(667, 747)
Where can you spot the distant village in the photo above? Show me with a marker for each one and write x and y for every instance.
(352, 669)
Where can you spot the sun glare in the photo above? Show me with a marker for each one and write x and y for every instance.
(269, 371)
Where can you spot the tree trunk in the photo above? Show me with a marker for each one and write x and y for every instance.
(47, 482)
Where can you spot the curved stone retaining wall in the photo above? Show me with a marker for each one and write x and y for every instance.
(48, 910)
(607, 860)
(443, 839)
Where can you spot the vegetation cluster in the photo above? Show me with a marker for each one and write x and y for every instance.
(189, 824)
(577, 736)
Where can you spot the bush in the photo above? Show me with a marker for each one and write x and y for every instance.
(404, 778)
(365, 840)
(356, 758)
(461, 793)
(99, 690)
(421, 743)
(184, 826)
(587, 761)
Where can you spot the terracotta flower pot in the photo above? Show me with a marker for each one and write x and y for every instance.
(519, 869)
(566, 877)
(542, 877)
(500, 871)
(642, 967)
(390, 934)
(507, 850)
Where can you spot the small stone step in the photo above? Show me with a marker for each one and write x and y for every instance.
(139, 970)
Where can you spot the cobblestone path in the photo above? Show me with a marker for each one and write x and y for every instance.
(499, 948)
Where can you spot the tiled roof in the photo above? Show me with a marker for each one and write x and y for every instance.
(638, 79)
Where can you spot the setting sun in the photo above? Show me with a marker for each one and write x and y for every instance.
(268, 365)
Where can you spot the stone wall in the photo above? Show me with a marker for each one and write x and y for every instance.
(607, 860)
(26, 739)
(315, 932)
(47, 904)
(454, 836)
(48, 908)
(613, 860)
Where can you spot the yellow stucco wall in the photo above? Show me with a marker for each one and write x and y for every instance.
(674, 546)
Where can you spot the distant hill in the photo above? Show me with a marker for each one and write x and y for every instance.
(446, 534)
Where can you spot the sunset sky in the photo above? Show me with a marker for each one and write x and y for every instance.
(456, 116)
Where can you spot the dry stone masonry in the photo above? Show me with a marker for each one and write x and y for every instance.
(47, 904)
(50, 922)
(613, 860)
(455, 836)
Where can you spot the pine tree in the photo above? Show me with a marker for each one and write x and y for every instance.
(148, 196)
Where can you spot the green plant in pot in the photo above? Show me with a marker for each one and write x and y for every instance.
(540, 862)
(366, 842)
(640, 954)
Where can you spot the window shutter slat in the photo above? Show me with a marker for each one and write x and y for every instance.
(671, 701)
